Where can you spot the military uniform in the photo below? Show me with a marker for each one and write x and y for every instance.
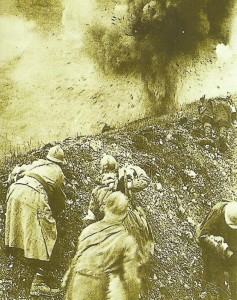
(105, 265)
(135, 221)
(215, 264)
(30, 224)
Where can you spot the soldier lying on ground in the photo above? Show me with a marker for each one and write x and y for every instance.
(106, 263)
(217, 236)
(34, 199)
(217, 113)
(131, 179)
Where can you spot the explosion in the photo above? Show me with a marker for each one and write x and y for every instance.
(158, 40)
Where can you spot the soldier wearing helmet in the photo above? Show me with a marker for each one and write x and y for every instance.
(109, 171)
(129, 180)
(106, 264)
(108, 164)
(217, 236)
(34, 198)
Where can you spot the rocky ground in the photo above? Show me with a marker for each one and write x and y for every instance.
(187, 180)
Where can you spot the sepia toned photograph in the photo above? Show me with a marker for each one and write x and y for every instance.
(118, 158)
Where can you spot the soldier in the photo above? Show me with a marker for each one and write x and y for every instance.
(106, 264)
(112, 179)
(107, 184)
(131, 179)
(34, 199)
(216, 113)
(217, 236)
(109, 171)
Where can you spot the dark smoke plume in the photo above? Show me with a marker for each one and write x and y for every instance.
(158, 39)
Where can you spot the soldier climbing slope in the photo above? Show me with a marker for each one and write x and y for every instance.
(218, 114)
(217, 236)
(34, 199)
(130, 180)
(106, 185)
(106, 263)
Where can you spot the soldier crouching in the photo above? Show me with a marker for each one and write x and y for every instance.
(106, 263)
(217, 236)
(35, 197)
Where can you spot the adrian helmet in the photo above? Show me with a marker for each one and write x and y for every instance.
(231, 214)
(108, 163)
(56, 154)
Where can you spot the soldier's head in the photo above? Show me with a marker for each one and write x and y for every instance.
(231, 215)
(116, 206)
(110, 180)
(56, 155)
(108, 164)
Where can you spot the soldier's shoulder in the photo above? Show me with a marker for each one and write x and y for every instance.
(219, 205)
(40, 161)
(90, 229)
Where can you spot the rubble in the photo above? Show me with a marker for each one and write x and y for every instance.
(186, 182)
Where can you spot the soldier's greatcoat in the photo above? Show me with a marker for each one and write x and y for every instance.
(105, 252)
(30, 225)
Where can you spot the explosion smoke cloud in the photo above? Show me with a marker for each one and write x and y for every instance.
(52, 76)
(159, 39)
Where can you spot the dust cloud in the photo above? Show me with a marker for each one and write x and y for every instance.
(52, 89)
(214, 75)
(161, 41)
(16, 36)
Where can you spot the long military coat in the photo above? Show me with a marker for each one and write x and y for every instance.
(30, 225)
(105, 265)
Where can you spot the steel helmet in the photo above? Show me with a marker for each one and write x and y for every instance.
(56, 154)
(231, 215)
(108, 163)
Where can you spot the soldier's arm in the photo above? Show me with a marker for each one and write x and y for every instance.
(18, 172)
(93, 206)
(140, 180)
(210, 226)
(130, 269)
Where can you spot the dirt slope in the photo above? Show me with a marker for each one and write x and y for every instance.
(186, 181)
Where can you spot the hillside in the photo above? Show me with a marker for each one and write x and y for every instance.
(187, 180)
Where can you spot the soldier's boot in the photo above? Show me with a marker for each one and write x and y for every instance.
(40, 288)
(207, 140)
(223, 139)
